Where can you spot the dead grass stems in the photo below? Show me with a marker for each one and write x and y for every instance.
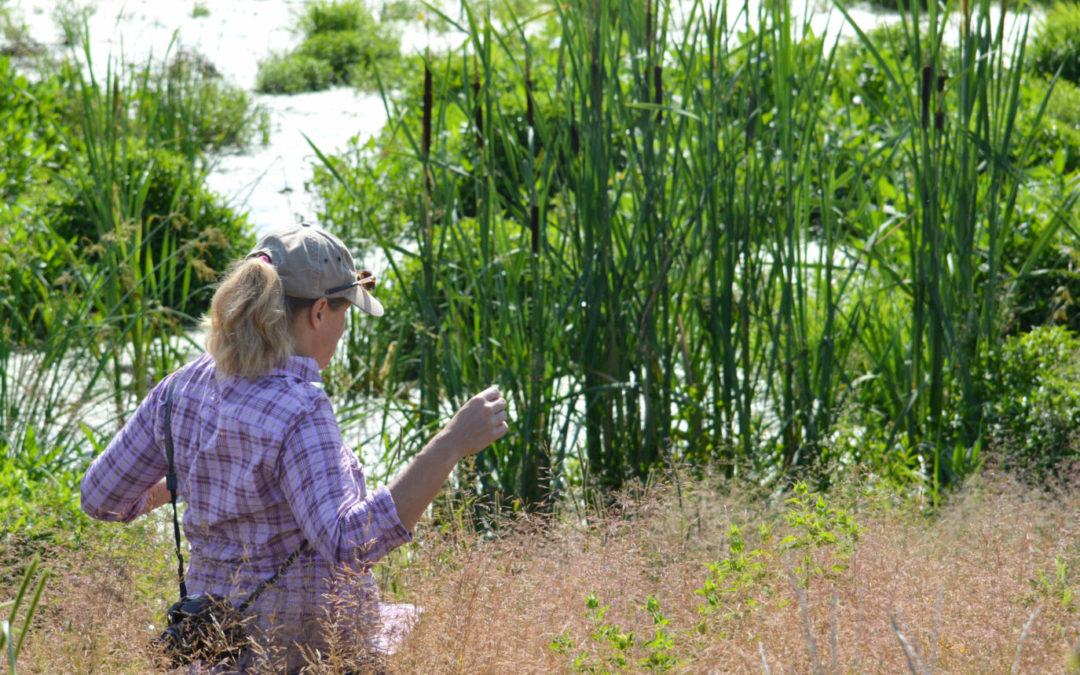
(983, 585)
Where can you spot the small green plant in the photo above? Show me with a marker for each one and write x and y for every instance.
(619, 640)
(731, 578)
(292, 73)
(11, 640)
(662, 644)
(199, 11)
(816, 526)
(615, 645)
(1055, 588)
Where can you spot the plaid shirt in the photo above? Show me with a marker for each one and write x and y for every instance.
(262, 467)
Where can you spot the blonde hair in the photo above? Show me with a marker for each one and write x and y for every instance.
(249, 332)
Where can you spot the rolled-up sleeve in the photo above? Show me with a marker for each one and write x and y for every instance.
(327, 496)
(114, 487)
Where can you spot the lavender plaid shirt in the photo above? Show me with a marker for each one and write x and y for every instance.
(262, 467)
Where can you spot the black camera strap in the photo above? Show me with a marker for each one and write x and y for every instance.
(172, 484)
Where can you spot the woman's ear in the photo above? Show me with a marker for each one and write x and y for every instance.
(317, 309)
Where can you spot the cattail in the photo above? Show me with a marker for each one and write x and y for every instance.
(534, 226)
(658, 88)
(658, 70)
(751, 115)
(648, 27)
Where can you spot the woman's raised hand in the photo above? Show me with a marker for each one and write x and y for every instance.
(478, 424)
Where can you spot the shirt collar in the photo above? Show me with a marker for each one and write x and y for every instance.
(303, 368)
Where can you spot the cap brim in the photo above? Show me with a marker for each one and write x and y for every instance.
(365, 301)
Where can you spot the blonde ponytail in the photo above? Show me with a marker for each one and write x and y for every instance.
(248, 325)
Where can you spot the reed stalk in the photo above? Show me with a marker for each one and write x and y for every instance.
(668, 251)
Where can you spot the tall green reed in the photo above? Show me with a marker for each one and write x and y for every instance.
(962, 165)
(595, 320)
(656, 237)
(106, 307)
(11, 637)
(135, 261)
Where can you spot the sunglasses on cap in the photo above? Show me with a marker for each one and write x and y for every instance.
(364, 278)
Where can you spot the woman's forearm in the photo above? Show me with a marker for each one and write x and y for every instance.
(156, 496)
(478, 424)
(415, 487)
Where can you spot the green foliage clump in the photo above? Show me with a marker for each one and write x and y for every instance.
(1056, 588)
(343, 44)
(1048, 266)
(198, 111)
(334, 16)
(178, 215)
(1032, 388)
(1057, 45)
(79, 181)
(1059, 129)
(350, 52)
(615, 646)
(293, 73)
(39, 485)
(26, 140)
(736, 582)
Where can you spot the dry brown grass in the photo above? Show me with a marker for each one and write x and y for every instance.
(958, 586)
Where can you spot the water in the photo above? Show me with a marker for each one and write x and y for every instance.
(267, 182)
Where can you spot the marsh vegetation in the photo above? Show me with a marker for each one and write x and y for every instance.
(719, 263)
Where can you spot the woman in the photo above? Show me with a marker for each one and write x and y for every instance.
(259, 455)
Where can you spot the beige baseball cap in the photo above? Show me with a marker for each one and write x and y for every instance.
(313, 263)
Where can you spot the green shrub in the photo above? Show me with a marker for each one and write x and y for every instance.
(344, 50)
(1059, 128)
(26, 139)
(338, 49)
(1047, 292)
(1057, 44)
(32, 277)
(293, 73)
(326, 17)
(1032, 388)
(342, 38)
(178, 207)
(216, 115)
(183, 103)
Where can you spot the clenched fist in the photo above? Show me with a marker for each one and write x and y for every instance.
(478, 424)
